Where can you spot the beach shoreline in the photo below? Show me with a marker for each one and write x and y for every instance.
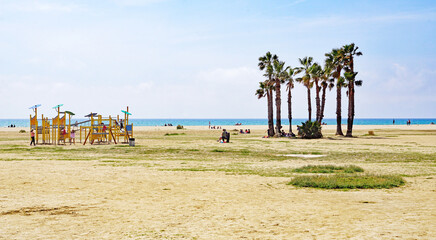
(265, 127)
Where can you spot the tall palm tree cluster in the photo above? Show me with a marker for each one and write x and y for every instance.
(338, 71)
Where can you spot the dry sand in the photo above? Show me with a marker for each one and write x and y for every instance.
(59, 199)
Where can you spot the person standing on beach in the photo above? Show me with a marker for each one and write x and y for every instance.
(393, 122)
(32, 137)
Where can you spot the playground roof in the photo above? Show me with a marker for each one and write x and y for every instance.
(91, 114)
(126, 112)
(70, 113)
(36, 106)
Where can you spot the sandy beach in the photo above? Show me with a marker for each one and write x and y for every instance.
(189, 186)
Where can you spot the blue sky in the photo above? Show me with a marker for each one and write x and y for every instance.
(198, 59)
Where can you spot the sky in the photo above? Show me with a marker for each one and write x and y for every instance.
(198, 59)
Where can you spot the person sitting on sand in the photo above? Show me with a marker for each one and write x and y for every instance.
(241, 131)
(224, 136)
(32, 137)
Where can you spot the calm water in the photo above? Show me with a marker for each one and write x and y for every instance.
(221, 122)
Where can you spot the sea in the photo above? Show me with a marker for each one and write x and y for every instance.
(242, 121)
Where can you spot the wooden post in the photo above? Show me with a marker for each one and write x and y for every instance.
(127, 116)
(36, 124)
(59, 129)
(110, 128)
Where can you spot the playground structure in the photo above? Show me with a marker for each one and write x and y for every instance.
(96, 129)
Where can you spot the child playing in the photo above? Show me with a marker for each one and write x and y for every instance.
(73, 136)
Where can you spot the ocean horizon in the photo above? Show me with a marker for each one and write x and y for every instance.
(243, 121)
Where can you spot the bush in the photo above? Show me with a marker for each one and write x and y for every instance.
(179, 126)
(343, 181)
(22, 131)
(310, 130)
(328, 169)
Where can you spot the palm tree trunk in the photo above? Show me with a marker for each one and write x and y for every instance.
(270, 113)
(278, 108)
(290, 109)
(321, 116)
(318, 104)
(309, 104)
(350, 103)
(350, 109)
(338, 111)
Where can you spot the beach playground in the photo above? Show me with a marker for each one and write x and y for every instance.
(183, 184)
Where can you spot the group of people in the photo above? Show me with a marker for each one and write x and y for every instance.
(72, 136)
(63, 133)
(215, 127)
(238, 124)
(409, 122)
(11, 126)
(121, 124)
(168, 125)
(247, 131)
(282, 134)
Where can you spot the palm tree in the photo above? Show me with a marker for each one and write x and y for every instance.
(265, 63)
(336, 59)
(306, 80)
(290, 73)
(279, 77)
(316, 73)
(351, 51)
(326, 82)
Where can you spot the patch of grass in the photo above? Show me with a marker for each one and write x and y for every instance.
(328, 169)
(342, 181)
(219, 150)
(174, 134)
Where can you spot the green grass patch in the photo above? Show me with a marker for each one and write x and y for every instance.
(219, 150)
(342, 181)
(174, 134)
(328, 169)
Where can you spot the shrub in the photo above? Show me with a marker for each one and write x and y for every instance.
(310, 130)
(328, 169)
(343, 181)
(179, 126)
(22, 131)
